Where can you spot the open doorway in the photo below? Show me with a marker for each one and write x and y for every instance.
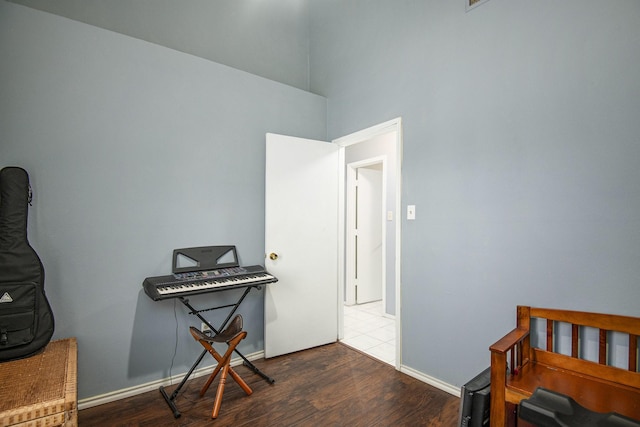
(370, 305)
(365, 232)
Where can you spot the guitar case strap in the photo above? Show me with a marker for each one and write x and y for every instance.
(26, 319)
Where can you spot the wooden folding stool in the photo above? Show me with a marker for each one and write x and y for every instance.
(232, 336)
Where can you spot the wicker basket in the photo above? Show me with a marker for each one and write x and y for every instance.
(41, 390)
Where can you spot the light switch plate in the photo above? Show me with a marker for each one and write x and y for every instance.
(411, 212)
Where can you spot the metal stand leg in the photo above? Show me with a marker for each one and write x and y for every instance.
(255, 370)
(170, 399)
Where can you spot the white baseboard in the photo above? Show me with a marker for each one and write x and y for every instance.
(90, 402)
(456, 391)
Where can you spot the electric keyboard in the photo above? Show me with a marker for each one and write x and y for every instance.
(184, 284)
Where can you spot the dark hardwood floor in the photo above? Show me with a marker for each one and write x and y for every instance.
(332, 385)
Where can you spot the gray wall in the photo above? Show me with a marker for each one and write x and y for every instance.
(521, 150)
(134, 150)
(266, 38)
(520, 124)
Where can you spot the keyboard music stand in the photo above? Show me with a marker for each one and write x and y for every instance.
(170, 399)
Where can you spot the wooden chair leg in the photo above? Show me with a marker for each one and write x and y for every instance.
(218, 358)
(232, 345)
(219, 392)
(240, 381)
(231, 371)
(206, 385)
(235, 377)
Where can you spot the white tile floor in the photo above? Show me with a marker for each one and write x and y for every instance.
(367, 330)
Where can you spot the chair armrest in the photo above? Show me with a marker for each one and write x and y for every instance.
(510, 346)
(507, 342)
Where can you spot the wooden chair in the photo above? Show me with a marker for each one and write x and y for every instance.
(519, 367)
(232, 336)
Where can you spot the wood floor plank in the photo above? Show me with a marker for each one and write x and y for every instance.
(332, 385)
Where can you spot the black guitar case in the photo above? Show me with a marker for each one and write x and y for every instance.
(26, 320)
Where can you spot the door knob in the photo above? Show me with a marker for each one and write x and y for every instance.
(273, 256)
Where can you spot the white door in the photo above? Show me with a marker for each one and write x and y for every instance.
(369, 256)
(301, 244)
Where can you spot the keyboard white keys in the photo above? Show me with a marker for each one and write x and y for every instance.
(212, 284)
